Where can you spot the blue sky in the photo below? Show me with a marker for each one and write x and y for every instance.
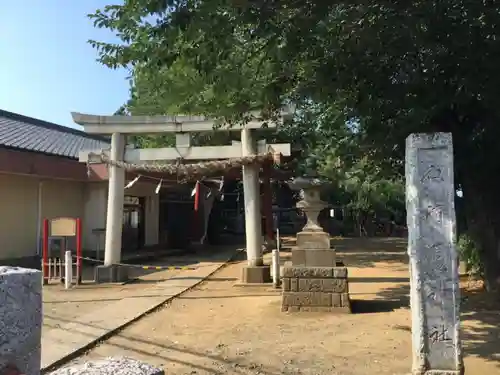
(47, 68)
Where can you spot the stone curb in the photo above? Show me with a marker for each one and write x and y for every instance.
(67, 358)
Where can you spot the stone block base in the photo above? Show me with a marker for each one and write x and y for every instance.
(314, 258)
(315, 289)
(313, 240)
(256, 274)
(111, 274)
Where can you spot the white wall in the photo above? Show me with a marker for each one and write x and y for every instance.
(18, 216)
(62, 199)
(96, 198)
(23, 210)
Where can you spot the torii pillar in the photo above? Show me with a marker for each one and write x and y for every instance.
(118, 126)
(113, 240)
(255, 271)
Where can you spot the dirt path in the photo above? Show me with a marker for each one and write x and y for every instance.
(221, 329)
(61, 306)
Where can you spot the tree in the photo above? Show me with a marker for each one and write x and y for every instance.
(389, 68)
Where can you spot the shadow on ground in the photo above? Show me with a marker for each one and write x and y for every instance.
(236, 365)
(156, 281)
(163, 258)
(480, 318)
(386, 301)
(480, 311)
(481, 324)
(363, 252)
(366, 252)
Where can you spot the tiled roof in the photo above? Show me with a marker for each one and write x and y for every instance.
(26, 133)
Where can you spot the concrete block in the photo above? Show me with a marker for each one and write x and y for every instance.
(111, 366)
(340, 272)
(313, 240)
(323, 285)
(319, 309)
(111, 274)
(346, 301)
(336, 286)
(256, 274)
(20, 319)
(314, 258)
(314, 309)
(320, 258)
(310, 285)
(313, 272)
(298, 257)
(336, 300)
(286, 284)
(307, 299)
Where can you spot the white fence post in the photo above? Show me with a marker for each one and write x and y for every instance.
(276, 268)
(68, 269)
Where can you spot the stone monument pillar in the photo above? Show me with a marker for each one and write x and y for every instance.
(313, 282)
(20, 319)
(435, 299)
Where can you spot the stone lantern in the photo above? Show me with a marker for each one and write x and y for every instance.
(313, 280)
(311, 203)
(312, 237)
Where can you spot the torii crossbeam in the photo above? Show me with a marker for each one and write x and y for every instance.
(182, 126)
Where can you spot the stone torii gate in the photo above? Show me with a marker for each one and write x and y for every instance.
(119, 126)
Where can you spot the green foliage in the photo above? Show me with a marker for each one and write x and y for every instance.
(469, 253)
(385, 68)
(364, 188)
(205, 58)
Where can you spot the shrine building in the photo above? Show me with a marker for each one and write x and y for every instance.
(42, 178)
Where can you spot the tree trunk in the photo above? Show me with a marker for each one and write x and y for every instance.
(475, 142)
(361, 223)
(482, 223)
